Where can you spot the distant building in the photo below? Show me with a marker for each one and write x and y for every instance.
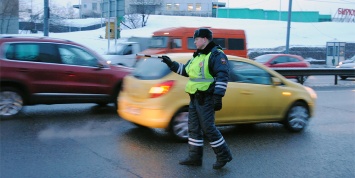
(297, 16)
(203, 8)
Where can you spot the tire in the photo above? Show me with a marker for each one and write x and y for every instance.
(301, 79)
(11, 101)
(179, 124)
(343, 77)
(297, 117)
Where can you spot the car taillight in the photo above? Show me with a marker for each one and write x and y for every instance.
(161, 88)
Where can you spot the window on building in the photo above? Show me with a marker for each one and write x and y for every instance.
(176, 6)
(168, 7)
(85, 6)
(190, 7)
(198, 7)
(94, 6)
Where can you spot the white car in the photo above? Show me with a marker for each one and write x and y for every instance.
(350, 64)
(123, 53)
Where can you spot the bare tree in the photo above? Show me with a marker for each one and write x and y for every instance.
(139, 11)
(8, 12)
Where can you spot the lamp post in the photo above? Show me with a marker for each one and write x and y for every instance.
(288, 26)
(280, 11)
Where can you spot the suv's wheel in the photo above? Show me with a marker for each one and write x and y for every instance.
(179, 124)
(11, 101)
(297, 117)
(301, 79)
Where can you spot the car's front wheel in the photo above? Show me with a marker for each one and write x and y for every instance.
(343, 77)
(179, 124)
(297, 117)
(11, 101)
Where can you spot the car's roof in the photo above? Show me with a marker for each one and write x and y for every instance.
(281, 54)
(15, 38)
(184, 57)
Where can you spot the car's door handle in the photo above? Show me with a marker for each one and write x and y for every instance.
(245, 92)
(23, 69)
(70, 73)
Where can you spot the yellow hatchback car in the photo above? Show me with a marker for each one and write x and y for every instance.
(153, 96)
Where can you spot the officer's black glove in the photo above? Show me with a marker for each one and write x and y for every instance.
(217, 100)
(167, 61)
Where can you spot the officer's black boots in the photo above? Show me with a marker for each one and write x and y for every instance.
(223, 156)
(195, 156)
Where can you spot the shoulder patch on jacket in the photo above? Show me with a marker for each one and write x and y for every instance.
(223, 60)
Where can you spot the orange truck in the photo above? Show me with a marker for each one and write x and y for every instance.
(180, 40)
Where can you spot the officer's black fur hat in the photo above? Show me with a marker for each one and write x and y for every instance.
(203, 32)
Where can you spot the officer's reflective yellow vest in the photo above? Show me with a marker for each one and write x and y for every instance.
(200, 77)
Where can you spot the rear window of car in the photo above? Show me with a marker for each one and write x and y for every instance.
(150, 69)
(35, 52)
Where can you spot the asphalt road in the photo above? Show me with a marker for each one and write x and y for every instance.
(84, 140)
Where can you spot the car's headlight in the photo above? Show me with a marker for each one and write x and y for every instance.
(311, 92)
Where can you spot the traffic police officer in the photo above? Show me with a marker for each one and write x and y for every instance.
(208, 73)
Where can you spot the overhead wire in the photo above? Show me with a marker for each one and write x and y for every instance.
(313, 23)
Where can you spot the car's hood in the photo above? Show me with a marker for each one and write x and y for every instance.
(154, 51)
(348, 65)
(120, 68)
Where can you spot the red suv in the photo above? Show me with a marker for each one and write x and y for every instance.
(284, 61)
(42, 70)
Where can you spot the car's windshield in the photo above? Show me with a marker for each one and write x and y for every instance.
(159, 42)
(150, 69)
(263, 58)
(117, 50)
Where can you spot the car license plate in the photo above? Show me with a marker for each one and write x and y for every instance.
(133, 110)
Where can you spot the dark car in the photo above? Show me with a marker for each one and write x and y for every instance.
(42, 70)
(284, 61)
(348, 64)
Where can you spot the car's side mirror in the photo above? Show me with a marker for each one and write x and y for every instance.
(276, 81)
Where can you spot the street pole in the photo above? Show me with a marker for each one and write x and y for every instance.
(288, 26)
(228, 9)
(280, 11)
(46, 17)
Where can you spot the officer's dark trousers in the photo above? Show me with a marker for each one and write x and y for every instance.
(201, 122)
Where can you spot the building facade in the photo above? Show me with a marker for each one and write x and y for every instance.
(204, 8)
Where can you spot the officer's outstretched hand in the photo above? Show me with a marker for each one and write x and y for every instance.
(167, 61)
(217, 100)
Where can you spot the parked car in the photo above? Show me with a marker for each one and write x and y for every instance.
(153, 96)
(347, 65)
(351, 60)
(123, 53)
(42, 70)
(284, 61)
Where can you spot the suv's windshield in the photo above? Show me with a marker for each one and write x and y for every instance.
(150, 69)
(159, 42)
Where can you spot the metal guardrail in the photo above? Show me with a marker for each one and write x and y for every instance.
(316, 71)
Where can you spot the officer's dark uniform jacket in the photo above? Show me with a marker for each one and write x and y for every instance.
(208, 73)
